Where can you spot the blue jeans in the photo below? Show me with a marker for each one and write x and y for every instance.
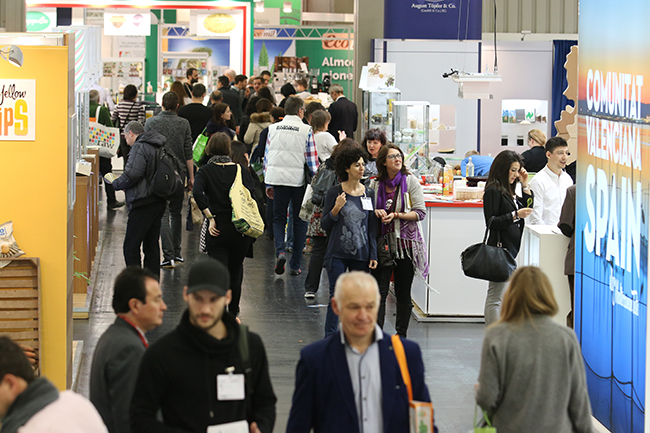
(337, 267)
(282, 195)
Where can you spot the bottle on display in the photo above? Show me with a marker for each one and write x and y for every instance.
(448, 181)
(469, 168)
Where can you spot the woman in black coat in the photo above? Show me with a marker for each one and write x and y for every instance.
(507, 211)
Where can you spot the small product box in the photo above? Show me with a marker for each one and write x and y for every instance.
(421, 417)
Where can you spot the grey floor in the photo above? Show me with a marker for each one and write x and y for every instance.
(273, 306)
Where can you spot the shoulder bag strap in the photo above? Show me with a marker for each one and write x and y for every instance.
(97, 113)
(398, 348)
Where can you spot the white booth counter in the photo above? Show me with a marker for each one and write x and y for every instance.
(448, 229)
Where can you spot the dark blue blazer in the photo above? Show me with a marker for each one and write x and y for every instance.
(324, 399)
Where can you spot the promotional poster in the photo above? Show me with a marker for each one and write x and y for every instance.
(613, 180)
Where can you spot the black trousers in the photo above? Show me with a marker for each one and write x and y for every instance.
(143, 230)
(105, 167)
(403, 274)
(230, 248)
(318, 248)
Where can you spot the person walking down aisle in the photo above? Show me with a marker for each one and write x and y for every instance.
(138, 303)
(531, 367)
(195, 112)
(34, 405)
(550, 184)
(400, 208)
(178, 133)
(504, 213)
(350, 223)
(317, 235)
(208, 371)
(145, 209)
(103, 117)
(290, 152)
(350, 381)
(211, 192)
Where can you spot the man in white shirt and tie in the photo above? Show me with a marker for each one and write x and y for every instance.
(550, 184)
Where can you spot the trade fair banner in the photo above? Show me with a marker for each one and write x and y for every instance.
(120, 23)
(17, 110)
(332, 56)
(613, 180)
(433, 19)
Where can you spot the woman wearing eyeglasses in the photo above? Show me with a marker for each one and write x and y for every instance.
(400, 207)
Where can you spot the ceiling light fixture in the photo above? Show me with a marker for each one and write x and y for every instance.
(287, 9)
(259, 7)
(13, 55)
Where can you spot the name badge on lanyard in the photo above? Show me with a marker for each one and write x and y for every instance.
(366, 203)
(230, 386)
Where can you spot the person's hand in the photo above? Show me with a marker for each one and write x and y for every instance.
(190, 184)
(524, 212)
(523, 177)
(269, 192)
(380, 213)
(29, 353)
(342, 135)
(255, 428)
(372, 264)
(213, 228)
(388, 218)
(340, 201)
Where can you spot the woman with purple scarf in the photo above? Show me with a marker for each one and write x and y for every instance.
(400, 208)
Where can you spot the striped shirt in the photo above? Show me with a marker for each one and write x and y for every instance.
(128, 111)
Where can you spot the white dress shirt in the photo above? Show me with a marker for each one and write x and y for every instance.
(549, 191)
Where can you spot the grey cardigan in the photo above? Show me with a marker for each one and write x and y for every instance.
(532, 378)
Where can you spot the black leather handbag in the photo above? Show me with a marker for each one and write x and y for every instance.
(485, 262)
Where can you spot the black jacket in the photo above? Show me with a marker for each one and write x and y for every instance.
(139, 170)
(113, 374)
(500, 206)
(232, 98)
(178, 375)
(534, 159)
(344, 117)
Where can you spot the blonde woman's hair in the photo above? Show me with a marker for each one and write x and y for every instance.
(530, 292)
(537, 136)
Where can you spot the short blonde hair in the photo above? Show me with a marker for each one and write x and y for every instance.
(357, 280)
(537, 136)
(530, 292)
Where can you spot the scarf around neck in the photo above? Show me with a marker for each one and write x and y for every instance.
(398, 182)
(40, 393)
(220, 159)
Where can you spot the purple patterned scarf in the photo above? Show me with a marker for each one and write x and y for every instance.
(398, 182)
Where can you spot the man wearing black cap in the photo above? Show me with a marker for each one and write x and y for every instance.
(209, 370)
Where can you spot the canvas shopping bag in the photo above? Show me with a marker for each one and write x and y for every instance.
(245, 213)
(101, 137)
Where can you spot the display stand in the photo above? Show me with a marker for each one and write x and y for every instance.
(377, 107)
(118, 72)
(82, 236)
(543, 246)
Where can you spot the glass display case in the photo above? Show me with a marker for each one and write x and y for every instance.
(377, 108)
(520, 116)
(410, 132)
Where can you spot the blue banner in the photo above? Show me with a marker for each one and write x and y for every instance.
(433, 19)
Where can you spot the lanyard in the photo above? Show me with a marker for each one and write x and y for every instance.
(140, 333)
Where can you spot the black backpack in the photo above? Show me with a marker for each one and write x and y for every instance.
(167, 180)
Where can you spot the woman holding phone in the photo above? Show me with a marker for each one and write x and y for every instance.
(504, 213)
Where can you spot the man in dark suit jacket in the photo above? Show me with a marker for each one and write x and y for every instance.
(330, 395)
(230, 97)
(344, 113)
(138, 302)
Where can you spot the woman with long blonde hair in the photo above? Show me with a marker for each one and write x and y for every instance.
(531, 367)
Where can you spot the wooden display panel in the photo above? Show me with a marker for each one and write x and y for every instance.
(20, 295)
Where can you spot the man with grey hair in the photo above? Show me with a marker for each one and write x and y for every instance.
(344, 114)
(100, 114)
(290, 151)
(145, 208)
(351, 381)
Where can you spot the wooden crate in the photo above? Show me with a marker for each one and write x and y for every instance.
(20, 297)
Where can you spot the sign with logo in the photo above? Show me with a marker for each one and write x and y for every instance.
(118, 22)
(17, 110)
(433, 19)
(41, 20)
(612, 209)
(222, 23)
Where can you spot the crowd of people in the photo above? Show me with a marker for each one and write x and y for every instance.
(361, 207)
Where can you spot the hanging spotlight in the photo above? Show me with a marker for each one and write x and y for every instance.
(13, 55)
(259, 6)
(287, 9)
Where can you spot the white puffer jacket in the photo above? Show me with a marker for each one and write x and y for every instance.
(285, 152)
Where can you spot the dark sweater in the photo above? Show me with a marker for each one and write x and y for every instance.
(178, 376)
(212, 187)
(534, 159)
(198, 115)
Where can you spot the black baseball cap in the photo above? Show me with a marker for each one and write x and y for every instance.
(209, 274)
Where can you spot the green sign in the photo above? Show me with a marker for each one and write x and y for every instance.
(37, 21)
(332, 57)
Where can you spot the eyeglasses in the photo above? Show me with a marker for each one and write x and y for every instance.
(395, 156)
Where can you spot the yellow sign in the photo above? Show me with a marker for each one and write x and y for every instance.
(17, 110)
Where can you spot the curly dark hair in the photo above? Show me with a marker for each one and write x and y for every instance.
(345, 159)
(372, 135)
